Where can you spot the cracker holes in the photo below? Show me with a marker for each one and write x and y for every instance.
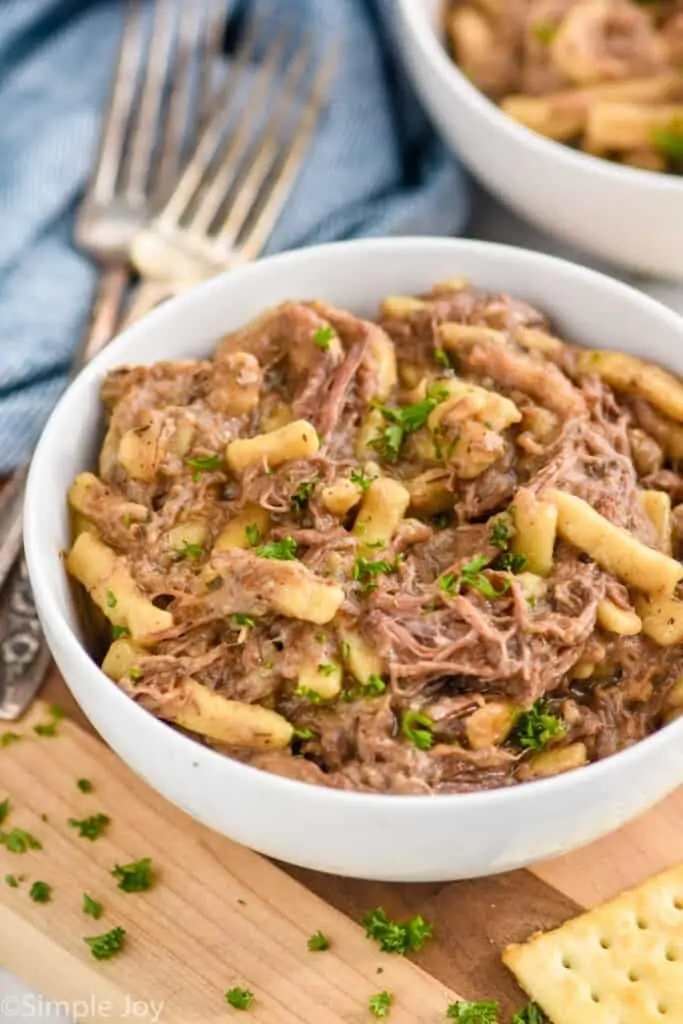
(595, 997)
(671, 955)
(633, 975)
(605, 943)
(642, 923)
(678, 902)
(662, 1008)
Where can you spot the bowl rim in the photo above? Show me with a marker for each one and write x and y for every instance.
(38, 549)
(576, 160)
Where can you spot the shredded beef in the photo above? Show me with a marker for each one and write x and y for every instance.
(430, 625)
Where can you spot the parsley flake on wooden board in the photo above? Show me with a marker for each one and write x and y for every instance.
(135, 877)
(380, 1004)
(90, 828)
(474, 1013)
(50, 728)
(239, 998)
(91, 907)
(19, 841)
(7, 738)
(318, 943)
(105, 946)
(41, 892)
(394, 937)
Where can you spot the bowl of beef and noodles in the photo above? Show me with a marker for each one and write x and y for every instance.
(379, 543)
(571, 111)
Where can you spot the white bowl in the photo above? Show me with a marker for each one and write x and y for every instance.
(404, 838)
(630, 217)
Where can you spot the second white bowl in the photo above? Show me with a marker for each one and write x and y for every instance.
(629, 217)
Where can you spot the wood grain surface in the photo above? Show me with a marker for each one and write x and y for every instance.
(191, 937)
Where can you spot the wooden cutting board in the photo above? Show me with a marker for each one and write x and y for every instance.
(221, 916)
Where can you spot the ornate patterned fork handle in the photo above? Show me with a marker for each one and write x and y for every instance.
(24, 654)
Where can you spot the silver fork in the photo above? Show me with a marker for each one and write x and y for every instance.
(156, 109)
(232, 192)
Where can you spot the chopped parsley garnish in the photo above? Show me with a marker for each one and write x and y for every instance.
(530, 1014)
(499, 535)
(49, 728)
(394, 937)
(366, 571)
(474, 1013)
(4, 809)
(111, 599)
(253, 534)
(303, 734)
(318, 943)
(442, 520)
(323, 336)
(6, 738)
(327, 669)
(135, 673)
(20, 841)
(283, 550)
(239, 620)
(470, 575)
(361, 479)
(85, 785)
(669, 141)
(45, 729)
(105, 946)
(90, 828)
(544, 32)
(301, 496)
(508, 561)
(193, 552)
(92, 907)
(41, 892)
(405, 420)
(119, 631)
(205, 463)
(380, 1004)
(373, 686)
(443, 359)
(12, 881)
(239, 998)
(537, 727)
(417, 727)
(306, 693)
(135, 877)
(128, 520)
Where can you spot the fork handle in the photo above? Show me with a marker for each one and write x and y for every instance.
(105, 315)
(24, 655)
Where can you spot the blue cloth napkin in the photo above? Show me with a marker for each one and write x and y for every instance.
(375, 168)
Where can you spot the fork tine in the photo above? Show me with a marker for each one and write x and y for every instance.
(143, 133)
(266, 217)
(214, 30)
(121, 98)
(179, 112)
(265, 156)
(240, 141)
(193, 174)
